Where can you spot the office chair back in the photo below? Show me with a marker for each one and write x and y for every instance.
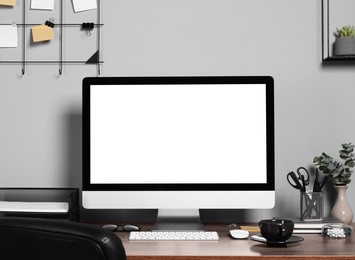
(45, 239)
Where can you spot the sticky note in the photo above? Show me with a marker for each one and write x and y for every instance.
(8, 36)
(42, 33)
(42, 4)
(8, 2)
(84, 5)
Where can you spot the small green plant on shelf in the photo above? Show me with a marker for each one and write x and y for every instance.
(346, 31)
(340, 173)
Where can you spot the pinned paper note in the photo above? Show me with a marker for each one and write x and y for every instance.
(42, 4)
(84, 5)
(8, 2)
(41, 33)
(8, 36)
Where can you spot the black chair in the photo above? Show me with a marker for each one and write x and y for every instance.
(46, 239)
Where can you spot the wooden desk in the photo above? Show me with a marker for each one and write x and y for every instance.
(314, 246)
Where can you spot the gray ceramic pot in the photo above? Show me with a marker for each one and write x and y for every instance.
(344, 46)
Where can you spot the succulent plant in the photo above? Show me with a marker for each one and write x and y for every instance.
(340, 173)
(346, 31)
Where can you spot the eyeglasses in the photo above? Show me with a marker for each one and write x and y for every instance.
(126, 227)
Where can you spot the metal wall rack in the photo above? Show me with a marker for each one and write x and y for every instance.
(94, 59)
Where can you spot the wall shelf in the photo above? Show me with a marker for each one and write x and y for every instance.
(95, 58)
(327, 38)
(339, 58)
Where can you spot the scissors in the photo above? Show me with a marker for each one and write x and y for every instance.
(300, 180)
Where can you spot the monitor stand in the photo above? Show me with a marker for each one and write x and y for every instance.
(178, 220)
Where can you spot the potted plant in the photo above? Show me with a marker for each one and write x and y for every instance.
(340, 174)
(345, 41)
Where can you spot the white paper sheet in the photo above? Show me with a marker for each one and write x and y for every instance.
(84, 5)
(42, 4)
(8, 36)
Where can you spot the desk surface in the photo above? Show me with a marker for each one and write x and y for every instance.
(314, 246)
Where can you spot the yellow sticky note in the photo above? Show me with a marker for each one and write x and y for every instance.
(8, 2)
(42, 33)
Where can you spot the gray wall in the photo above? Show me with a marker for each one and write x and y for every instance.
(40, 112)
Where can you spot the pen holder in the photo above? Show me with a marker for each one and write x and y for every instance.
(312, 206)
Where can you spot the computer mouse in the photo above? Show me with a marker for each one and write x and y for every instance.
(239, 233)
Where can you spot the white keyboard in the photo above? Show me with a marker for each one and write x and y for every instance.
(174, 235)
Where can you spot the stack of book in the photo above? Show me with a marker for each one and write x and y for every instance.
(313, 227)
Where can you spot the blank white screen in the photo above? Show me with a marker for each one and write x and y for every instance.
(178, 133)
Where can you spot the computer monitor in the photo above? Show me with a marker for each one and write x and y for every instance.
(178, 144)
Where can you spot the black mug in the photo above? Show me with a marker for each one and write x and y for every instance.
(276, 229)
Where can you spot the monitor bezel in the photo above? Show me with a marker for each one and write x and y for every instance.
(270, 179)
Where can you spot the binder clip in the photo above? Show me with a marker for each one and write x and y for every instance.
(50, 23)
(88, 27)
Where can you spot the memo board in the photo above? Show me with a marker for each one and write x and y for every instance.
(76, 35)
